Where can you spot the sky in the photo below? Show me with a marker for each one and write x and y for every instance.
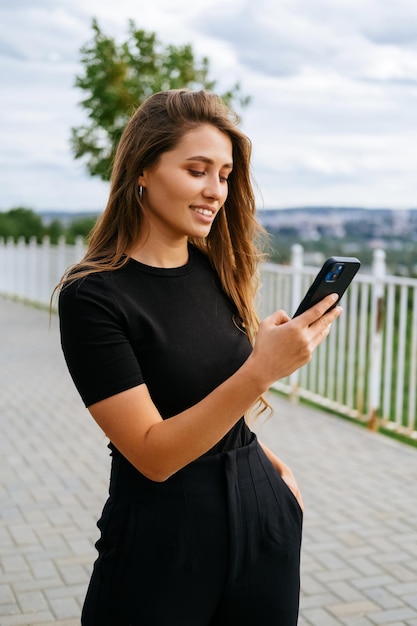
(333, 115)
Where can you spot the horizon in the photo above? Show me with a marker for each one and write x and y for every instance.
(259, 210)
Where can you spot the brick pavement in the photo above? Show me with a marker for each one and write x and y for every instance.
(359, 564)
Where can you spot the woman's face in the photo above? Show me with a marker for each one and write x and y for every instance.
(184, 191)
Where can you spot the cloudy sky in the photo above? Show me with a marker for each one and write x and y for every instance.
(333, 117)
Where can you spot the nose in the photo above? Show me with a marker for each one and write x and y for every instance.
(213, 188)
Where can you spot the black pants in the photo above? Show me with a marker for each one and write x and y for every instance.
(217, 544)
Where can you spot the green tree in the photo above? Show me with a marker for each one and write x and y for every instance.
(6, 226)
(80, 226)
(55, 230)
(118, 78)
(21, 222)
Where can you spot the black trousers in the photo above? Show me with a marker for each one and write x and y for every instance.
(217, 544)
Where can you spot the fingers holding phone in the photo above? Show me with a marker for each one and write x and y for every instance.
(320, 317)
(334, 277)
(322, 325)
(283, 345)
(297, 338)
(318, 306)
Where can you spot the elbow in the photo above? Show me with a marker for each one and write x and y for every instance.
(155, 472)
(153, 462)
(156, 476)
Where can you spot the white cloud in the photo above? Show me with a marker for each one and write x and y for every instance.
(334, 88)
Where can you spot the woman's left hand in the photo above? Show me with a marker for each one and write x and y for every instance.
(286, 474)
(289, 479)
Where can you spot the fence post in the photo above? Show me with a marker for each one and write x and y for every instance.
(376, 327)
(61, 258)
(45, 264)
(20, 264)
(3, 253)
(79, 249)
(10, 268)
(32, 270)
(297, 262)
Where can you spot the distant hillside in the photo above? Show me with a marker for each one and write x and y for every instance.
(65, 217)
(344, 214)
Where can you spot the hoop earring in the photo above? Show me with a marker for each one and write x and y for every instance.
(140, 192)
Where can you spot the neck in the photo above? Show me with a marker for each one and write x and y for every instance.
(164, 256)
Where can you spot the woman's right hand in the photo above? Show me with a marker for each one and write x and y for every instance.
(283, 345)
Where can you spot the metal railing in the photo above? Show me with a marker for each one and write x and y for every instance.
(31, 271)
(366, 368)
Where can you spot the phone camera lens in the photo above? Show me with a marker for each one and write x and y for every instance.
(334, 273)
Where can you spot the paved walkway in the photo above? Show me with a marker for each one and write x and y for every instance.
(359, 564)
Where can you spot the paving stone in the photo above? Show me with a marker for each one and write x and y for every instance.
(44, 569)
(14, 564)
(401, 589)
(33, 584)
(64, 608)
(320, 617)
(373, 581)
(75, 591)
(346, 573)
(395, 615)
(11, 608)
(359, 554)
(365, 566)
(345, 591)
(15, 577)
(356, 620)
(318, 599)
(31, 601)
(310, 585)
(61, 622)
(352, 608)
(383, 598)
(28, 619)
(411, 600)
(6, 594)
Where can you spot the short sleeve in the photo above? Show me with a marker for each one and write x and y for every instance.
(96, 348)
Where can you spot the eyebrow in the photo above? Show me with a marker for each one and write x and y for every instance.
(205, 159)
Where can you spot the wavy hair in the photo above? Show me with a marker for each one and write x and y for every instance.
(233, 244)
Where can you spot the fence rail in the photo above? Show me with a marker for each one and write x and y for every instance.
(31, 271)
(366, 369)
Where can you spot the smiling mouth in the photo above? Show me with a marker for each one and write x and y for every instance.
(206, 212)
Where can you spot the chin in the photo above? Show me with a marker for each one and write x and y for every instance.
(200, 233)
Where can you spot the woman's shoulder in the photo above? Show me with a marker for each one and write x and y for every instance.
(96, 288)
(76, 284)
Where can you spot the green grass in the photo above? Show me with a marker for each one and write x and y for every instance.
(356, 422)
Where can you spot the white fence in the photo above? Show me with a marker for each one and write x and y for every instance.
(366, 369)
(30, 272)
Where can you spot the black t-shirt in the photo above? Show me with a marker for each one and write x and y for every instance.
(173, 329)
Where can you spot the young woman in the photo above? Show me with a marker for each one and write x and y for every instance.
(202, 526)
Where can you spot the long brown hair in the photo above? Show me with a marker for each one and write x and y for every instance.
(233, 242)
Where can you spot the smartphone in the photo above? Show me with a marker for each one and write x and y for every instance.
(334, 277)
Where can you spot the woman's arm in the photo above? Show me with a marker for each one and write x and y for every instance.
(158, 448)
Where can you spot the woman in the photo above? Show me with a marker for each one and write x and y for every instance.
(202, 526)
